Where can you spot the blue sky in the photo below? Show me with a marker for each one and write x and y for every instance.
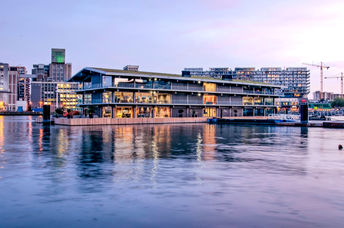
(166, 36)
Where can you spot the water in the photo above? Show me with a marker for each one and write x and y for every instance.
(186, 175)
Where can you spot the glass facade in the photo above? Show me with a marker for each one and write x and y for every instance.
(161, 112)
(124, 112)
(107, 81)
(88, 98)
(107, 97)
(144, 112)
(258, 101)
(123, 97)
(123, 82)
(144, 98)
(107, 112)
(247, 100)
(156, 97)
(164, 98)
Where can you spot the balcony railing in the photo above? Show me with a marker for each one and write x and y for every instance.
(180, 102)
(174, 87)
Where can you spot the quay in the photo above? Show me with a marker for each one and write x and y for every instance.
(20, 113)
(126, 121)
(258, 120)
(267, 121)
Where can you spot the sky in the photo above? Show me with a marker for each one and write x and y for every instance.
(167, 36)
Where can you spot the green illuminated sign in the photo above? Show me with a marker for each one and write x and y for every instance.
(60, 59)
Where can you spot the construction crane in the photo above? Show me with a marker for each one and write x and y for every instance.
(341, 81)
(321, 66)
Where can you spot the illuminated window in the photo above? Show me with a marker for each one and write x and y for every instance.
(247, 100)
(209, 99)
(209, 87)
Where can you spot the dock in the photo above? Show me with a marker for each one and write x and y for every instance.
(267, 121)
(257, 120)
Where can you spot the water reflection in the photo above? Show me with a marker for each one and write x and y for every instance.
(177, 165)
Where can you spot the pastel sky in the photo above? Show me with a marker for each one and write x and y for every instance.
(166, 36)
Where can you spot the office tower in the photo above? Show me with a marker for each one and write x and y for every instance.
(59, 70)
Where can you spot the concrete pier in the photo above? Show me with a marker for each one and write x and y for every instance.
(124, 121)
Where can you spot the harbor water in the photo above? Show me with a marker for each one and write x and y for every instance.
(168, 175)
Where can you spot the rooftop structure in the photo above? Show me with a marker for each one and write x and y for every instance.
(58, 55)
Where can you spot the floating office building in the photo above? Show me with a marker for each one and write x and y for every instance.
(130, 93)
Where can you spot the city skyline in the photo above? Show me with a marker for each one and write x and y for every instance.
(166, 37)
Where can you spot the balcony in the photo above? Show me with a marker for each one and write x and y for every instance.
(182, 87)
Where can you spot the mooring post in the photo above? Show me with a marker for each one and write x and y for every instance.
(303, 109)
(46, 114)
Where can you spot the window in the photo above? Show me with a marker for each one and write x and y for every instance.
(209, 99)
(209, 87)
(124, 112)
(107, 112)
(161, 112)
(107, 97)
(258, 101)
(123, 97)
(247, 100)
(144, 98)
(107, 81)
(124, 82)
(163, 98)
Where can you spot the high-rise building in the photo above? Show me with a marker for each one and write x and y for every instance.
(41, 71)
(24, 88)
(44, 89)
(296, 79)
(13, 76)
(4, 87)
(59, 70)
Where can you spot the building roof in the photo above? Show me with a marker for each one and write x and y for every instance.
(107, 71)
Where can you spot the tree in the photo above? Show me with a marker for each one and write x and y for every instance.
(338, 102)
(59, 111)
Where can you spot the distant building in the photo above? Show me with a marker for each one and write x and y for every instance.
(59, 70)
(4, 86)
(326, 96)
(13, 74)
(24, 89)
(45, 87)
(215, 72)
(244, 73)
(10, 86)
(296, 79)
(41, 71)
(55, 94)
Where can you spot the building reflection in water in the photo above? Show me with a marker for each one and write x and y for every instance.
(132, 152)
(2, 139)
(209, 142)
